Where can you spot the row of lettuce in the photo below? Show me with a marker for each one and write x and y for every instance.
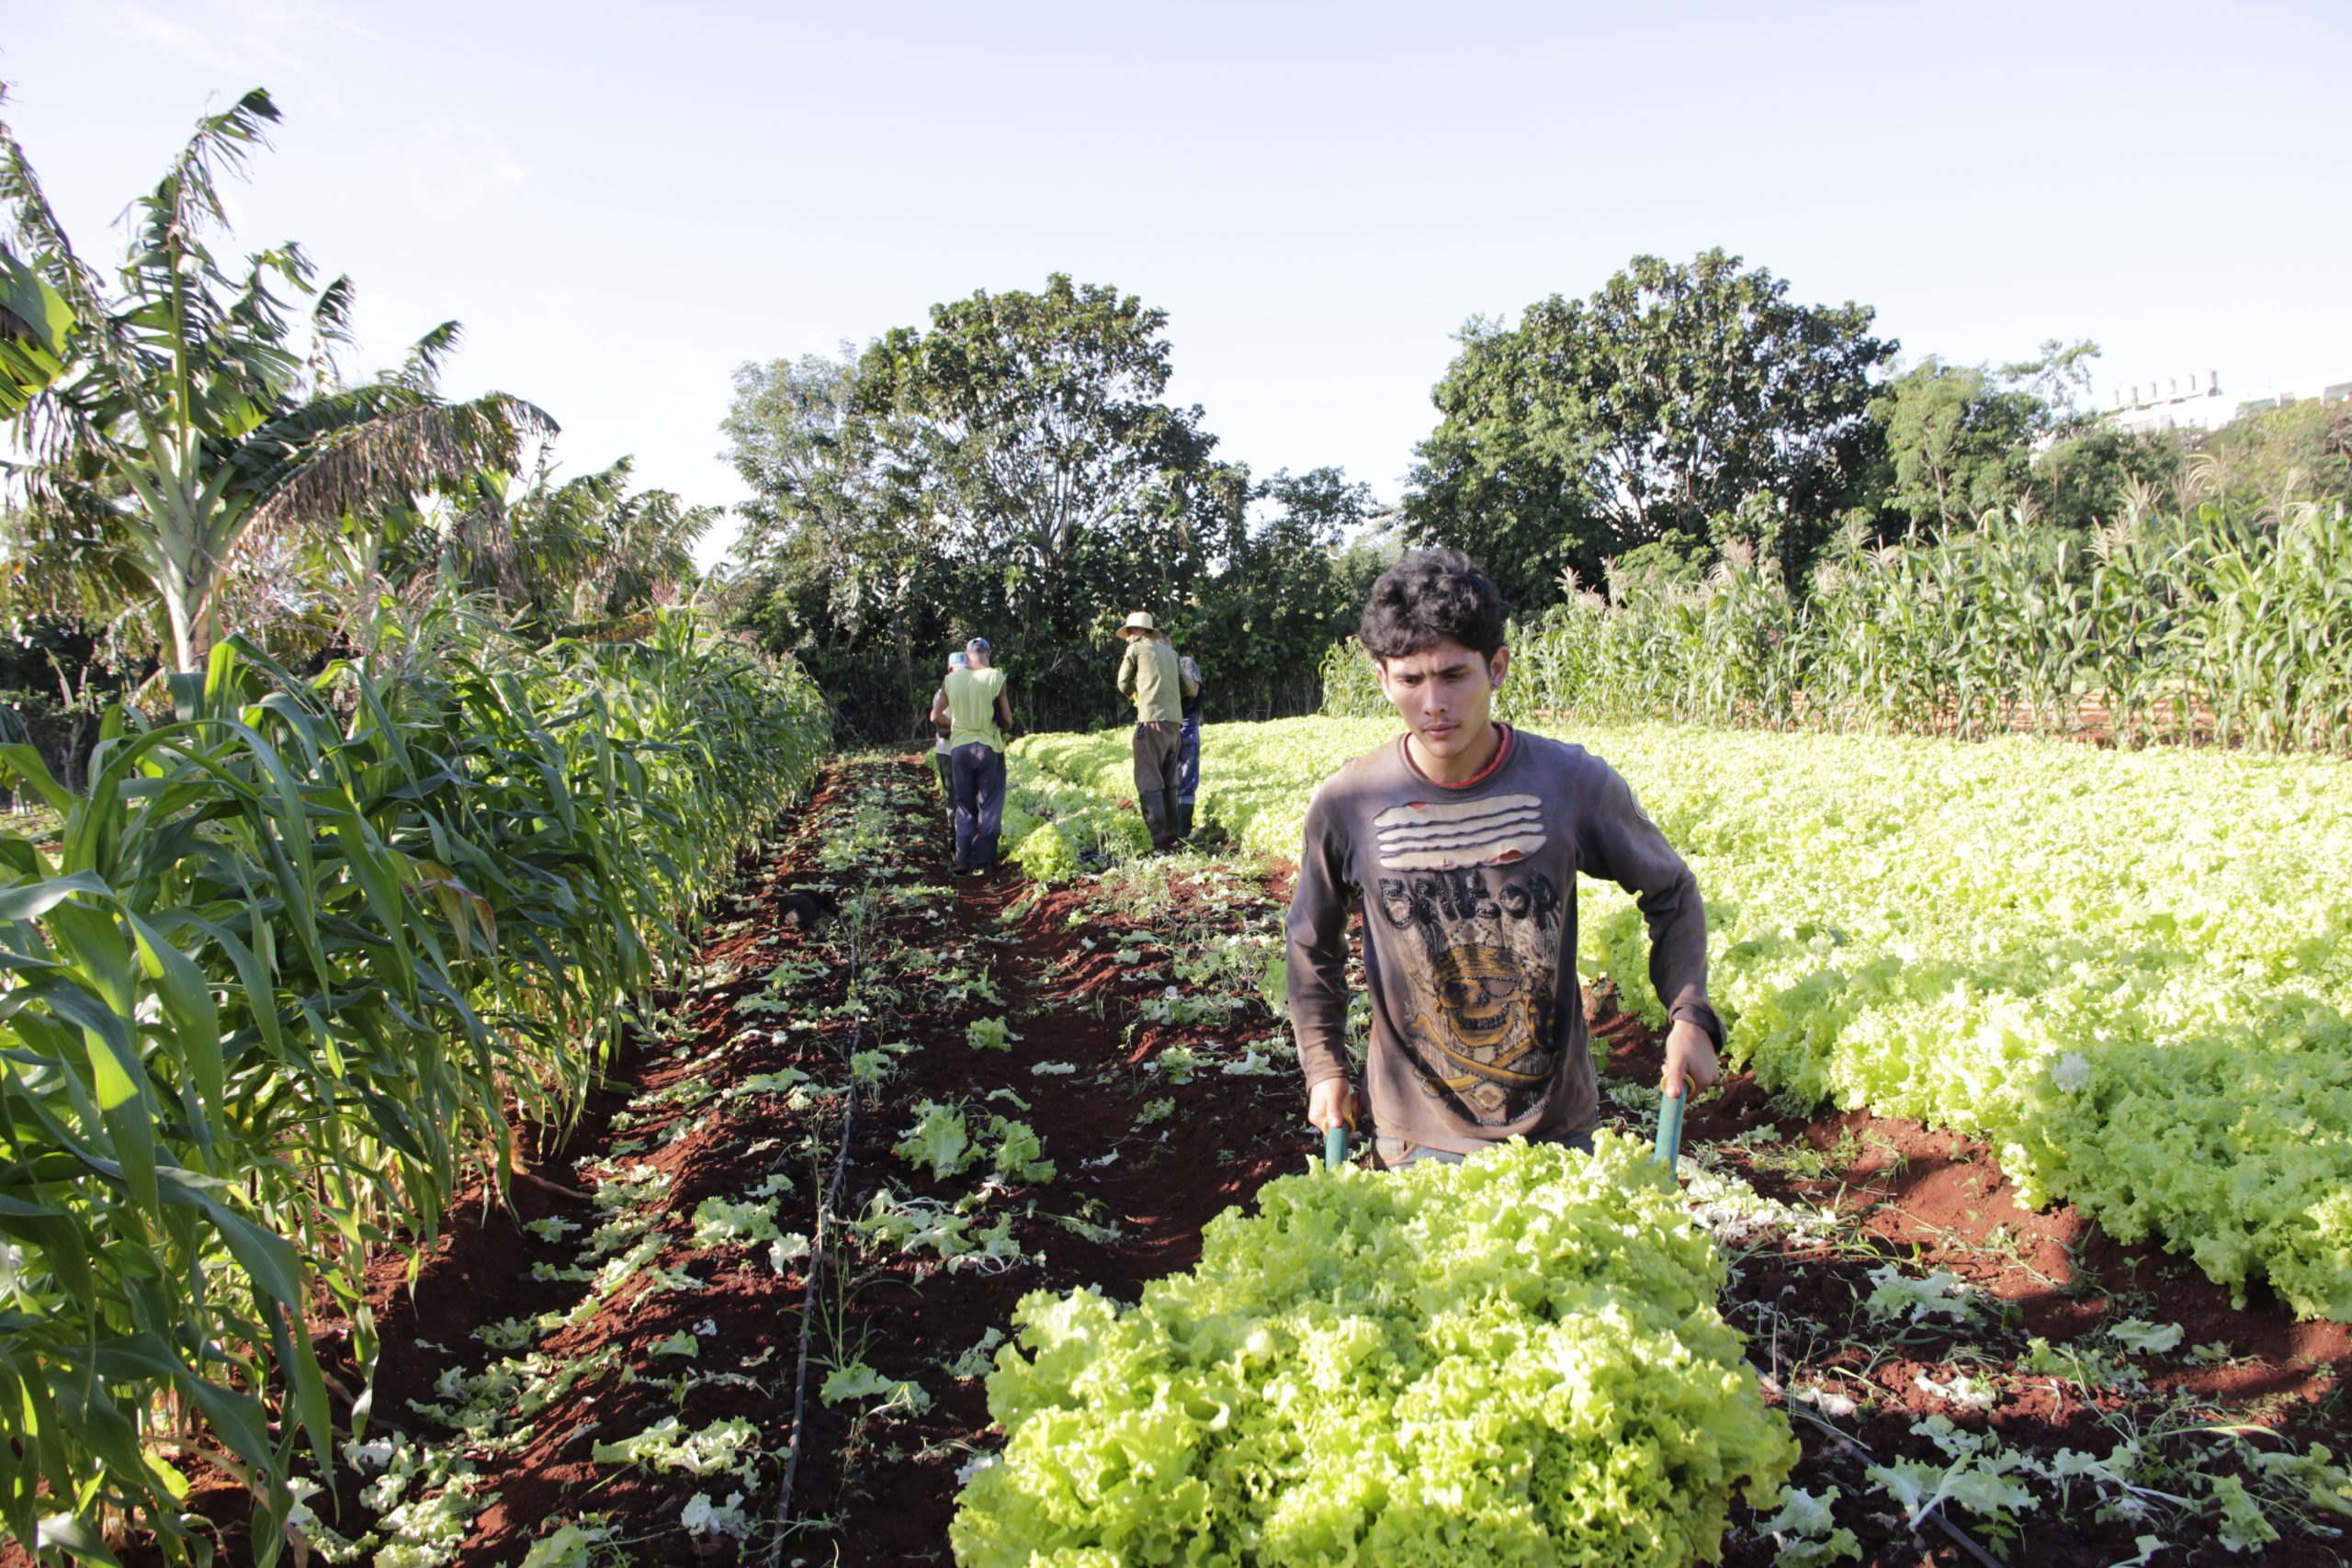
(2129, 973)
(281, 983)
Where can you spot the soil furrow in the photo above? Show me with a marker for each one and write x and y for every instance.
(1138, 1049)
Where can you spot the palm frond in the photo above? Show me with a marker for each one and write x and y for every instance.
(421, 369)
(189, 192)
(30, 227)
(348, 451)
(331, 330)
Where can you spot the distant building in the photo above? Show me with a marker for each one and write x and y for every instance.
(2172, 402)
(2194, 401)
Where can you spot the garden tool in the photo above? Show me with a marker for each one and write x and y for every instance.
(1669, 1134)
(1669, 1125)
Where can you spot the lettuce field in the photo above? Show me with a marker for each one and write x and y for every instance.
(2130, 973)
(912, 1218)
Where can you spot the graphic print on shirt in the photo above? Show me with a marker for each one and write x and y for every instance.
(1482, 985)
(1439, 835)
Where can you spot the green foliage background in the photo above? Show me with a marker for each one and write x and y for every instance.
(1010, 471)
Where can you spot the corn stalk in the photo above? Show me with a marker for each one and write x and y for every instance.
(280, 987)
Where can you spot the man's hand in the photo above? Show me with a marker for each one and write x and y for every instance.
(1689, 1053)
(1331, 1103)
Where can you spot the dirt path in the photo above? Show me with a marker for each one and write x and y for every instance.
(576, 1375)
(742, 1088)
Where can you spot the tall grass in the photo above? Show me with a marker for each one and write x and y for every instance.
(273, 992)
(2184, 625)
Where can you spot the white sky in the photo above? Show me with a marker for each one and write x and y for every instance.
(623, 202)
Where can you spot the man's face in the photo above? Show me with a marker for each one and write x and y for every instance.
(1442, 694)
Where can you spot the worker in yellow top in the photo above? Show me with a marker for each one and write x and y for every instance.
(972, 701)
(1155, 678)
(940, 753)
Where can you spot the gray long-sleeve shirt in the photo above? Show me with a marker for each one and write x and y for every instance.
(1468, 894)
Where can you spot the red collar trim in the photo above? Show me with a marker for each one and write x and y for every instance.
(1502, 751)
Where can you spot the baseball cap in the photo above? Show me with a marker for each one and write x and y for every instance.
(978, 645)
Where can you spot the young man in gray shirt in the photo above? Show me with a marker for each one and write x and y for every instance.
(1461, 841)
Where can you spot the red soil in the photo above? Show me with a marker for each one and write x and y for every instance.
(879, 1492)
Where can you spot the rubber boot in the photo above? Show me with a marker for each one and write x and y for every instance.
(1155, 817)
(1183, 819)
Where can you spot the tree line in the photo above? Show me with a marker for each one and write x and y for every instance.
(190, 458)
(1013, 470)
(1013, 464)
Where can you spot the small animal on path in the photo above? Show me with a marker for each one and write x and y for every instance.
(801, 910)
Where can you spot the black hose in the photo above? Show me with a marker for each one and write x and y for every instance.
(816, 1254)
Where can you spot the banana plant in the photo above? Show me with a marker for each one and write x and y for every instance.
(194, 404)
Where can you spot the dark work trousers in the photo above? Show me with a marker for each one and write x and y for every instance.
(978, 769)
(1188, 761)
(1155, 745)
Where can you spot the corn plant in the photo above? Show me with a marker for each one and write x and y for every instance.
(2190, 624)
(271, 992)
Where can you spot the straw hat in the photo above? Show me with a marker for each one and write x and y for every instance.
(1140, 621)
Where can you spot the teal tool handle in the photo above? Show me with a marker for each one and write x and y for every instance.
(1670, 1126)
(1335, 1146)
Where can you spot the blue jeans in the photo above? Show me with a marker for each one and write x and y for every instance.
(978, 772)
(1188, 761)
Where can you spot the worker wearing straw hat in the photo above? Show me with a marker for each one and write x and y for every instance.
(1152, 674)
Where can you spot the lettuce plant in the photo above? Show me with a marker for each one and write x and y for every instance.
(1514, 1360)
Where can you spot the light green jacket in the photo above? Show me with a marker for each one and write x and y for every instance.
(971, 708)
(1150, 675)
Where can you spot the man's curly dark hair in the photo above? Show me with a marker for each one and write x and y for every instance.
(1430, 597)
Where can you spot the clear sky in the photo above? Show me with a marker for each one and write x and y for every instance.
(623, 202)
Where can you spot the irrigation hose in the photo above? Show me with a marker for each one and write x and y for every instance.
(817, 1255)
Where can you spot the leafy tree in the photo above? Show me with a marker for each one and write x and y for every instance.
(2261, 460)
(812, 455)
(194, 408)
(840, 560)
(1014, 470)
(1959, 440)
(1653, 411)
(1963, 440)
(1032, 424)
(2085, 476)
(1011, 471)
(1275, 597)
